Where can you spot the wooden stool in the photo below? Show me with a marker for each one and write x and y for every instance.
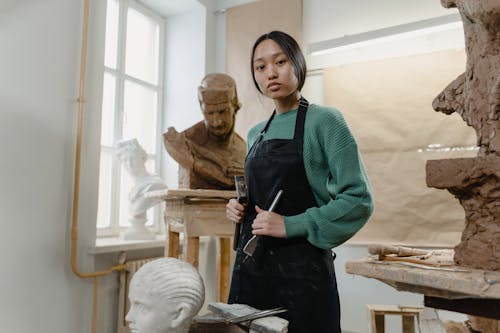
(408, 314)
(196, 213)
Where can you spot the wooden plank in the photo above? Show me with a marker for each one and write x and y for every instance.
(224, 264)
(173, 245)
(395, 309)
(190, 193)
(449, 282)
(192, 250)
(378, 322)
(408, 322)
(488, 308)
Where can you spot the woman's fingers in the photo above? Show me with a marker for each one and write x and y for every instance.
(268, 224)
(235, 211)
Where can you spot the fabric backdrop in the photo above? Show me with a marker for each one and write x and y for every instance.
(388, 106)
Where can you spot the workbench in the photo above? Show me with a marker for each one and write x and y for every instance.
(194, 213)
(449, 287)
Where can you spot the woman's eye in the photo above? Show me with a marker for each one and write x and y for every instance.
(259, 67)
(281, 62)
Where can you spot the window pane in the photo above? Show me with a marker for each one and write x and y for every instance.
(104, 202)
(142, 46)
(108, 110)
(111, 46)
(125, 187)
(139, 110)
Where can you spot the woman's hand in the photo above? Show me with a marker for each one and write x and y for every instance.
(268, 224)
(235, 211)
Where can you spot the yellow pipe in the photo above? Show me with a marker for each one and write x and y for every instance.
(76, 187)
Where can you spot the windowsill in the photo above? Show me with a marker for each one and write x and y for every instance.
(110, 245)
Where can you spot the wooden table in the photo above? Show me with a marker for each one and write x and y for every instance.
(196, 213)
(454, 288)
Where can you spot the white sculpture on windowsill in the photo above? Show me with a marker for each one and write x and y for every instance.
(133, 157)
(165, 295)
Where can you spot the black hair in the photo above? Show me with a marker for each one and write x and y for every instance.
(291, 49)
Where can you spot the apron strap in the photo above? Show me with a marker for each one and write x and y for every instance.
(300, 120)
(303, 106)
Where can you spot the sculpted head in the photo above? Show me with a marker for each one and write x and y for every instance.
(164, 295)
(132, 156)
(219, 104)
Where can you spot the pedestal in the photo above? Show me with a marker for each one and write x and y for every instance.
(195, 213)
(475, 182)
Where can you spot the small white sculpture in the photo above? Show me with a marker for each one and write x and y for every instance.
(133, 156)
(165, 295)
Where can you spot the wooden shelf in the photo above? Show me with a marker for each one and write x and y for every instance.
(453, 288)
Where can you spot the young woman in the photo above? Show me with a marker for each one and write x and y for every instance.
(308, 152)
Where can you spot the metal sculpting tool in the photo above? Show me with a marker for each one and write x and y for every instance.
(251, 245)
(241, 192)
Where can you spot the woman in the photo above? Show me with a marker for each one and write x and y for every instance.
(308, 152)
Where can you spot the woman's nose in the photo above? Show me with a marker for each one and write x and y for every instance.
(271, 73)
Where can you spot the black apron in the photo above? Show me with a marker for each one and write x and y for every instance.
(290, 273)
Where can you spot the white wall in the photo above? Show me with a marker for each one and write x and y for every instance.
(38, 89)
(185, 67)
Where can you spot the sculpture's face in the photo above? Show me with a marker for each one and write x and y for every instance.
(219, 119)
(147, 314)
(134, 163)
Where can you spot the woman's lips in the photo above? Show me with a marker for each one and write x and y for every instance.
(273, 86)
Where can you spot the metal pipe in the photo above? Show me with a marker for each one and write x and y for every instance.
(76, 185)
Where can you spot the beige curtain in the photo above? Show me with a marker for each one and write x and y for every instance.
(244, 24)
(387, 104)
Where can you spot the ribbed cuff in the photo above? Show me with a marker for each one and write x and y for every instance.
(295, 226)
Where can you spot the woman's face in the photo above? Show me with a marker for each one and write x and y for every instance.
(273, 71)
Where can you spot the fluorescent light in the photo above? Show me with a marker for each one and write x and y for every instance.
(396, 32)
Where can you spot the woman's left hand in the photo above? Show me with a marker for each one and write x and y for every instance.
(268, 224)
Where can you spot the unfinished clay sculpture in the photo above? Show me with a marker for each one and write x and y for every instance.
(165, 294)
(210, 153)
(133, 157)
(475, 95)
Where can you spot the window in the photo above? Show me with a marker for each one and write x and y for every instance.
(132, 99)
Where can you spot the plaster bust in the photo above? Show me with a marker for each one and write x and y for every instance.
(210, 153)
(133, 158)
(165, 295)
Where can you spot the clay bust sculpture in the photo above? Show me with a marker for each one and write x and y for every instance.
(210, 153)
(165, 295)
(475, 94)
(133, 157)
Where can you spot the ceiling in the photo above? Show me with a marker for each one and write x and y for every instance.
(170, 7)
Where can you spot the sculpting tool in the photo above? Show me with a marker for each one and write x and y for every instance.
(251, 245)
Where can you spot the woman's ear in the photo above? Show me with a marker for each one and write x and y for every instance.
(182, 314)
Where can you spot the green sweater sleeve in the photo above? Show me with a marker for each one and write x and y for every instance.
(338, 181)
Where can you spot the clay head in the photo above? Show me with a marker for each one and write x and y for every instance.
(219, 104)
(165, 295)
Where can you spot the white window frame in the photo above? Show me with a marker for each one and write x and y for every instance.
(114, 230)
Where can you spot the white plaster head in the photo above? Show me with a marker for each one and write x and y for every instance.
(165, 295)
(132, 157)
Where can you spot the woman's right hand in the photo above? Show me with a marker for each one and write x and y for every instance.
(235, 211)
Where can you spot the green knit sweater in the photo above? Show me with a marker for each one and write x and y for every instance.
(335, 173)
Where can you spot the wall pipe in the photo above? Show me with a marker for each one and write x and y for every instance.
(76, 185)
